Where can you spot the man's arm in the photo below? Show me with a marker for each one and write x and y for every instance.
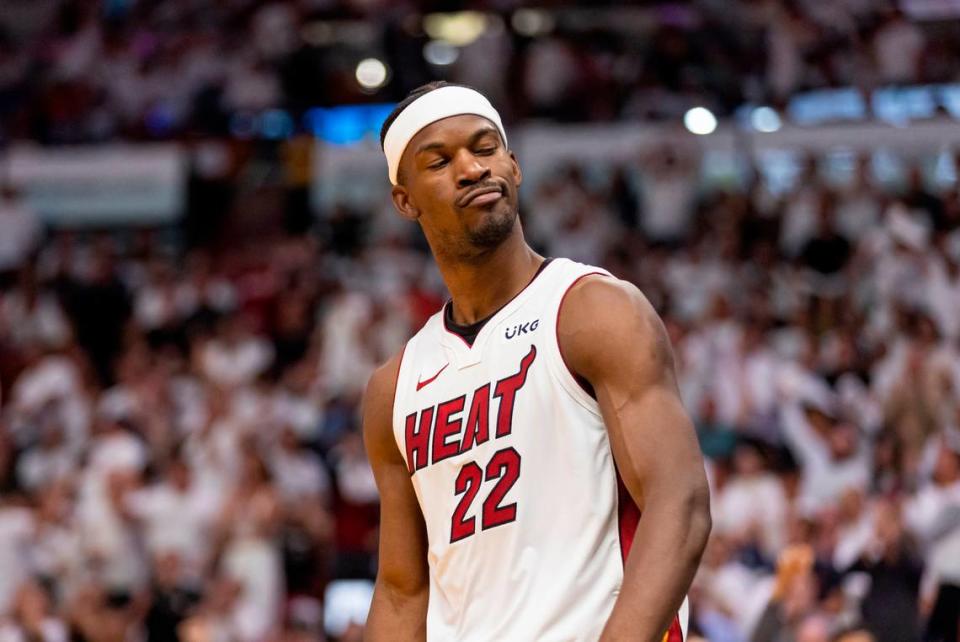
(399, 609)
(610, 335)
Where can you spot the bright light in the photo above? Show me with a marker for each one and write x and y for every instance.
(532, 22)
(371, 73)
(438, 52)
(458, 29)
(700, 120)
(765, 119)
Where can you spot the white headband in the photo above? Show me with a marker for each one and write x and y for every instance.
(429, 108)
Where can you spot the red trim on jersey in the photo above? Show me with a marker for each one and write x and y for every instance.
(396, 377)
(628, 516)
(675, 632)
(556, 332)
(393, 405)
(443, 311)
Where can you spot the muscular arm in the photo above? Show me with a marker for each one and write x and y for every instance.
(399, 609)
(611, 336)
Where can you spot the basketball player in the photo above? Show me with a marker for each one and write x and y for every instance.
(539, 477)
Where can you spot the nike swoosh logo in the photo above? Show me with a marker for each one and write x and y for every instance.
(421, 384)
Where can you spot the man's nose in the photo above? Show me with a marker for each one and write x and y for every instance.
(470, 170)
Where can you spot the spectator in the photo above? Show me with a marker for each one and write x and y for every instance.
(213, 384)
(932, 515)
(251, 558)
(33, 618)
(831, 452)
(891, 606)
(897, 45)
(176, 515)
(751, 506)
(20, 232)
(235, 355)
(827, 252)
(174, 596)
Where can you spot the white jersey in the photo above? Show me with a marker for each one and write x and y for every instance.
(513, 471)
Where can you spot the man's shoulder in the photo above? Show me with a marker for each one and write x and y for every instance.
(599, 297)
(381, 387)
(378, 411)
(605, 319)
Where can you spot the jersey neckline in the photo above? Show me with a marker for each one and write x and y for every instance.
(469, 333)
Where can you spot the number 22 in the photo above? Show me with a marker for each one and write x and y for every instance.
(504, 466)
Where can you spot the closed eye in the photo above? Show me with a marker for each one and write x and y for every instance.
(439, 164)
(486, 151)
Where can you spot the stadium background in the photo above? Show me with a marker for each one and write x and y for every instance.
(200, 268)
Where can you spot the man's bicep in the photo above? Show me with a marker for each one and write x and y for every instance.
(625, 354)
(654, 444)
(403, 540)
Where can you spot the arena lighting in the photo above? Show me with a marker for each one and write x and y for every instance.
(458, 29)
(700, 121)
(765, 119)
(371, 73)
(276, 124)
(347, 124)
(438, 52)
(531, 22)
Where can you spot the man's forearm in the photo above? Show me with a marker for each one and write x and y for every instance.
(396, 615)
(663, 559)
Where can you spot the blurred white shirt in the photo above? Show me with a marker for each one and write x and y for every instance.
(38, 466)
(933, 515)
(299, 475)
(42, 324)
(823, 479)
(235, 364)
(16, 533)
(745, 502)
(175, 521)
(20, 232)
(255, 563)
(51, 630)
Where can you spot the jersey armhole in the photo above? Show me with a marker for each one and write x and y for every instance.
(578, 387)
(395, 415)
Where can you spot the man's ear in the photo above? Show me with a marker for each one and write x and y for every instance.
(517, 174)
(404, 204)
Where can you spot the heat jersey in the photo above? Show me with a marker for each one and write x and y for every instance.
(528, 524)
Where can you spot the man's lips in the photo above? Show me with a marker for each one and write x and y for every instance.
(481, 196)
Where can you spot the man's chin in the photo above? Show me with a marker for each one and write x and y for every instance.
(494, 228)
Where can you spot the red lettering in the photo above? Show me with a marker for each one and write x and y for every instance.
(467, 484)
(418, 439)
(507, 390)
(477, 430)
(505, 466)
(447, 426)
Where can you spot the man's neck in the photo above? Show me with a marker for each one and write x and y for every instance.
(480, 288)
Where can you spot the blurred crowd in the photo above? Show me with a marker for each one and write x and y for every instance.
(180, 456)
(93, 70)
(816, 337)
(179, 451)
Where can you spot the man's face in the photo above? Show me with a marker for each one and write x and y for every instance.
(460, 182)
(842, 441)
